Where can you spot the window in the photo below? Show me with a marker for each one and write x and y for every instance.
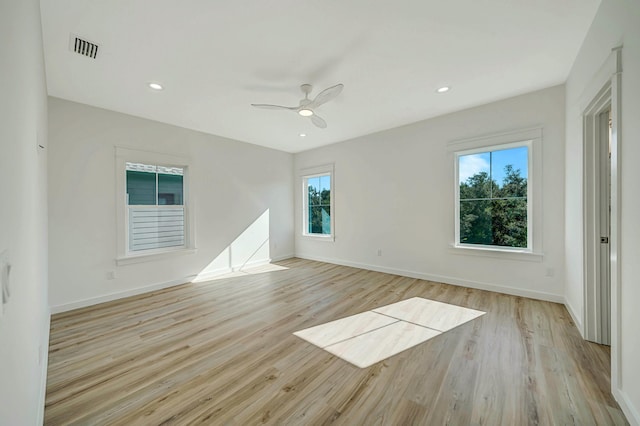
(318, 204)
(155, 208)
(493, 196)
(154, 216)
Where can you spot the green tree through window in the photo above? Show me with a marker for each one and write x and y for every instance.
(319, 204)
(493, 200)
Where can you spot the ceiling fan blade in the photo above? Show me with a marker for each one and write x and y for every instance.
(319, 122)
(326, 95)
(267, 106)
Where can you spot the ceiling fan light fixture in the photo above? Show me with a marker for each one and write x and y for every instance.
(306, 106)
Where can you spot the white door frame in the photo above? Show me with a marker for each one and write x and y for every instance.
(607, 95)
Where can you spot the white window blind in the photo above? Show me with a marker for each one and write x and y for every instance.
(155, 207)
(154, 227)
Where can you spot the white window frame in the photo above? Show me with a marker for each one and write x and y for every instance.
(309, 173)
(124, 256)
(532, 139)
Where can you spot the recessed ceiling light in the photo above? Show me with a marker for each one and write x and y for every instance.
(155, 86)
(443, 89)
(305, 112)
(302, 135)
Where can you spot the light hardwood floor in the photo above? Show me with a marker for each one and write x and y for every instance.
(223, 352)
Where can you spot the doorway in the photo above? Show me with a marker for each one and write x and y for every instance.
(602, 108)
(597, 210)
(600, 214)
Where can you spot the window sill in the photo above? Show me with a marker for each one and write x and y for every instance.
(318, 237)
(149, 257)
(497, 253)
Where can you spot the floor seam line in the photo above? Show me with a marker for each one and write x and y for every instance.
(361, 334)
(410, 322)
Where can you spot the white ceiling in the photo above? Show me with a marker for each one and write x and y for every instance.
(215, 58)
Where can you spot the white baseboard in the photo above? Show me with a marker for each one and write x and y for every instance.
(633, 417)
(576, 320)
(249, 265)
(557, 298)
(282, 257)
(117, 295)
(209, 275)
(159, 286)
(44, 354)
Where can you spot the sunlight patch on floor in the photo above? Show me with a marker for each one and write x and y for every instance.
(375, 335)
(270, 267)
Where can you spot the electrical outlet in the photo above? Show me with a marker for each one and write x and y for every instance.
(379, 252)
(111, 275)
(549, 272)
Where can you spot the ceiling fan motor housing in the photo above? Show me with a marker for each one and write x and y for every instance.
(306, 89)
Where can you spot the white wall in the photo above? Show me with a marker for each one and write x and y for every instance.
(616, 23)
(242, 192)
(394, 190)
(24, 323)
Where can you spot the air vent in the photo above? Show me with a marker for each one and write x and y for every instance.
(83, 47)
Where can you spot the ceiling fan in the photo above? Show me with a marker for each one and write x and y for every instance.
(307, 106)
